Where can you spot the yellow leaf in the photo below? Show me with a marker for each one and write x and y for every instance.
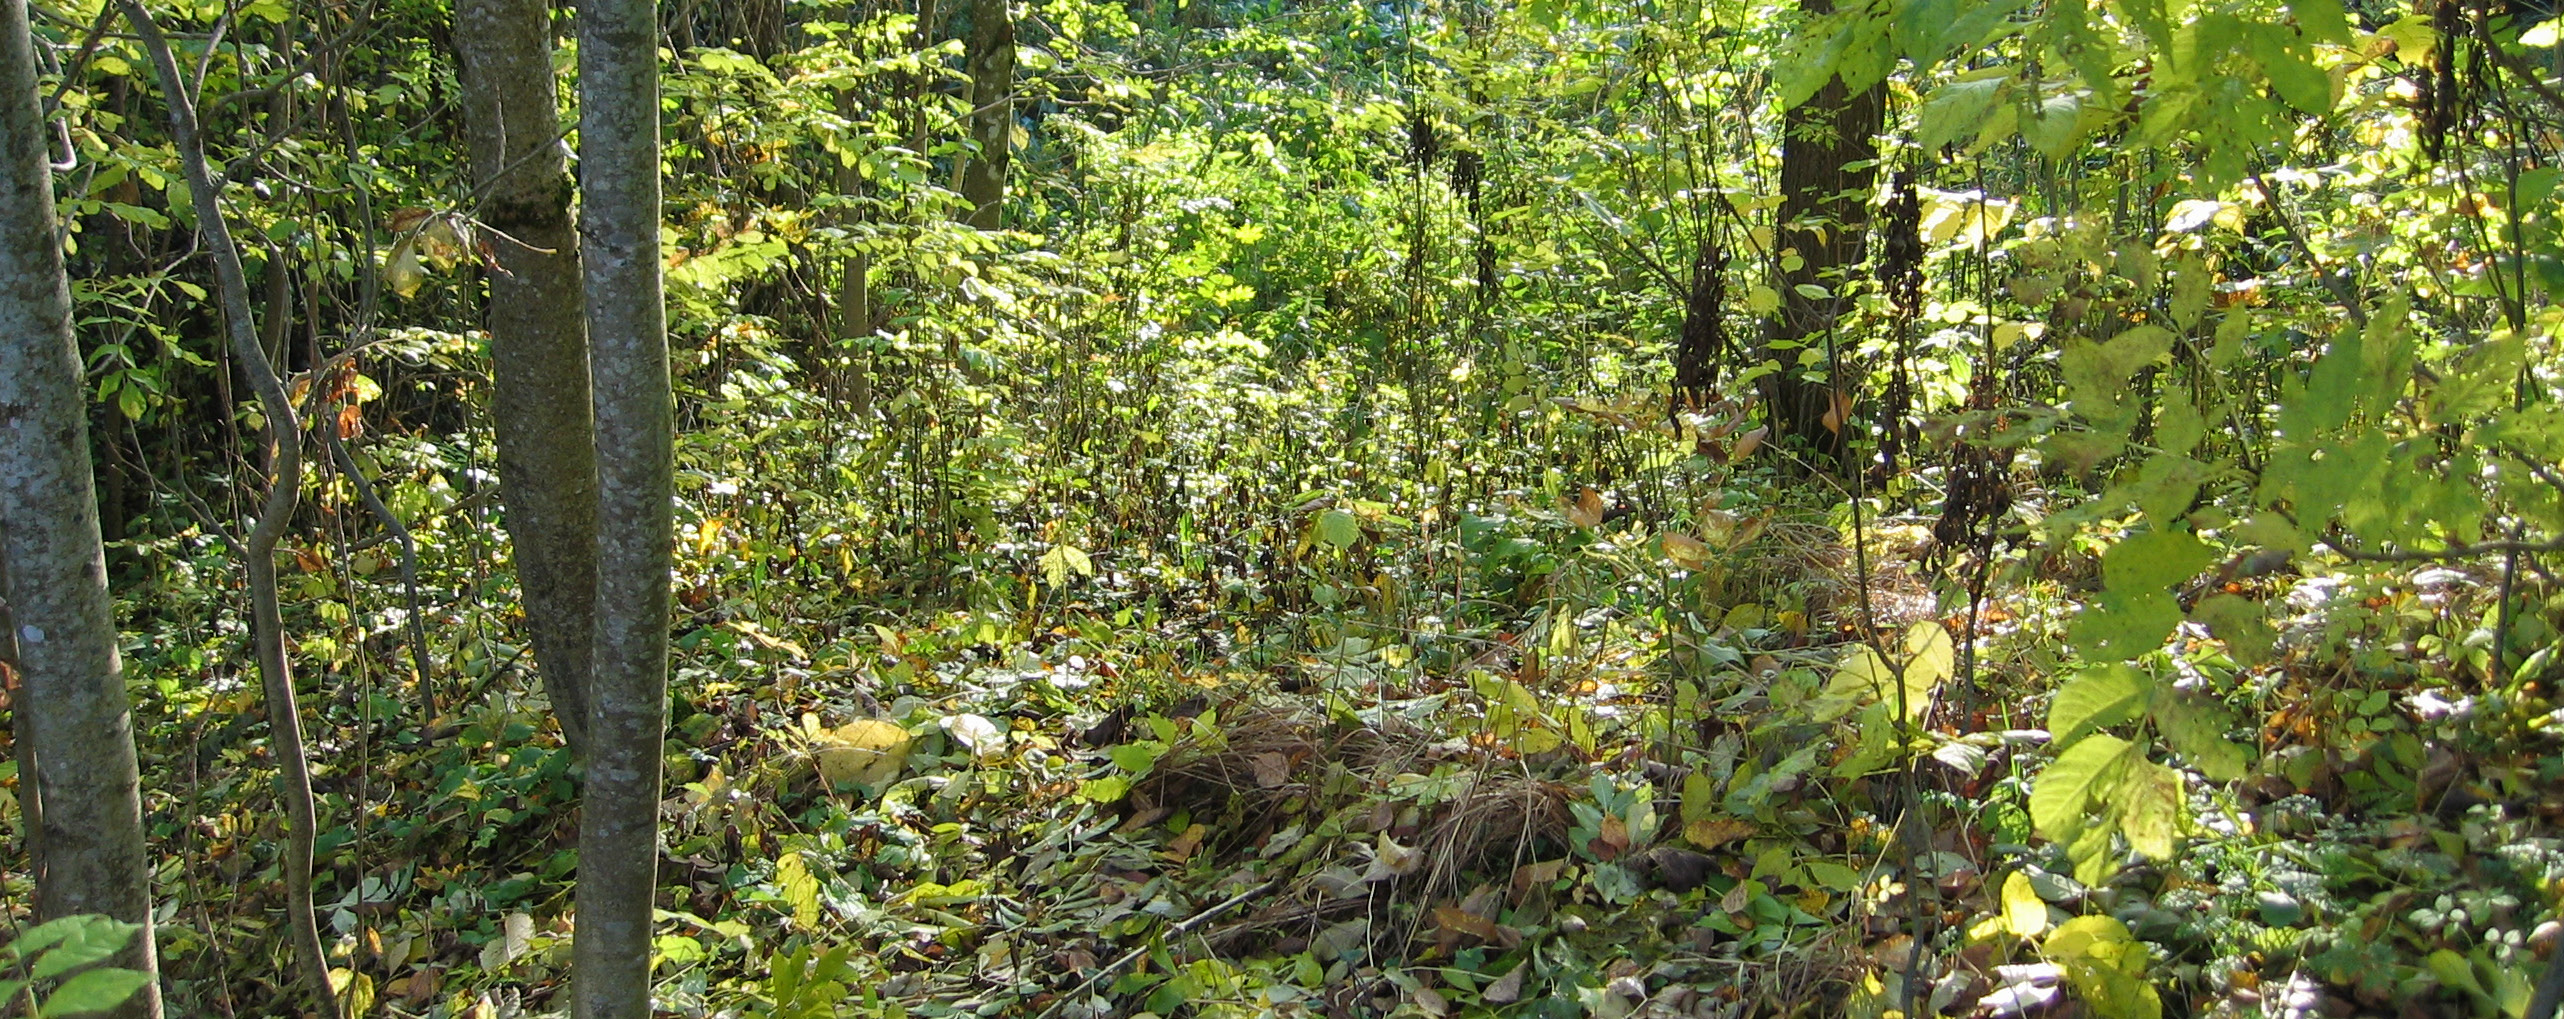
(402, 272)
(867, 752)
(2024, 913)
(1711, 833)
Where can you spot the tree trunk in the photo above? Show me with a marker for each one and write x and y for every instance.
(538, 338)
(71, 711)
(628, 362)
(992, 110)
(1824, 212)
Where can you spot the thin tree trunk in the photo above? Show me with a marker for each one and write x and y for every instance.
(1827, 147)
(72, 713)
(628, 363)
(538, 338)
(284, 489)
(992, 111)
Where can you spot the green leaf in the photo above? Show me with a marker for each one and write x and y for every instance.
(2195, 727)
(1957, 109)
(1700, 796)
(2150, 808)
(79, 941)
(2241, 623)
(2154, 561)
(2321, 21)
(2085, 772)
(1136, 758)
(96, 990)
(2097, 698)
(1924, 660)
(1339, 528)
(2119, 626)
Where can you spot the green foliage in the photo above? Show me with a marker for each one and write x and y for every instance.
(55, 966)
(1324, 379)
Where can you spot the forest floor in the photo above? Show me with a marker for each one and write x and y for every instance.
(1086, 810)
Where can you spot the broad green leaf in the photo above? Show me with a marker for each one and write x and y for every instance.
(1857, 678)
(1924, 659)
(2097, 698)
(2154, 561)
(1958, 109)
(2321, 21)
(1108, 789)
(80, 941)
(1339, 528)
(2291, 70)
(2241, 623)
(1138, 757)
(1063, 560)
(2452, 971)
(2094, 854)
(96, 990)
(2024, 913)
(2085, 772)
(2178, 425)
(2166, 485)
(1700, 796)
(2150, 806)
(2117, 626)
(2195, 727)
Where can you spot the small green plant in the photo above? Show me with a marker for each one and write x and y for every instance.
(47, 956)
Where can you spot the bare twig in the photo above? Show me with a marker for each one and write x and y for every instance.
(284, 489)
(1179, 930)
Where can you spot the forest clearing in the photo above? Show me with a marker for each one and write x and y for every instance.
(771, 509)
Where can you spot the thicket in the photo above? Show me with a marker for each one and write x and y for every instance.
(1552, 508)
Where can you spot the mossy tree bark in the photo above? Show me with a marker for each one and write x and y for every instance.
(72, 714)
(992, 111)
(628, 366)
(538, 336)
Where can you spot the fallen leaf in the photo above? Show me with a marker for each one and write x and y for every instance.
(1507, 989)
(867, 752)
(1272, 770)
(1713, 832)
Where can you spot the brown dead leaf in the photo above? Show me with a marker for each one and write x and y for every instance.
(1587, 511)
(1613, 841)
(1686, 551)
(1507, 989)
(1747, 443)
(1272, 770)
(1532, 874)
(1182, 846)
(1461, 921)
(1839, 411)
